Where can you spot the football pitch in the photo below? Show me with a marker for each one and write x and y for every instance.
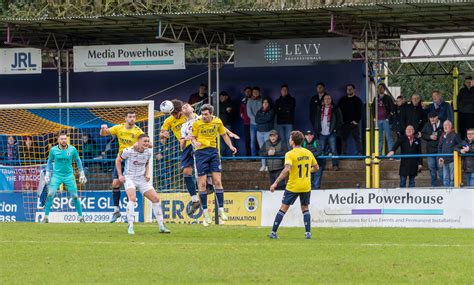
(105, 254)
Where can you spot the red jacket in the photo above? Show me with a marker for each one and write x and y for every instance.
(243, 111)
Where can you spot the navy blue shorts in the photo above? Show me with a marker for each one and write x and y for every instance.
(187, 158)
(207, 161)
(289, 197)
(115, 173)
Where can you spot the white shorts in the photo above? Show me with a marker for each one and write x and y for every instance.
(138, 183)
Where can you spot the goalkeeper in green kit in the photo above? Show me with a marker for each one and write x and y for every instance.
(62, 172)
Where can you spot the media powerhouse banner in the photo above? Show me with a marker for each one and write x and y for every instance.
(129, 57)
(417, 208)
(291, 52)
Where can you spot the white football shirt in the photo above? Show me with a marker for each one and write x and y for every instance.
(135, 162)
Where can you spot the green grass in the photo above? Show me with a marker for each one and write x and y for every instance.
(104, 253)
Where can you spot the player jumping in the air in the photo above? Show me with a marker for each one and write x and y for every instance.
(62, 172)
(137, 177)
(298, 163)
(127, 135)
(205, 132)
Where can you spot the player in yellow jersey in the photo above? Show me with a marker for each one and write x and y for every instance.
(127, 135)
(205, 133)
(299, 162)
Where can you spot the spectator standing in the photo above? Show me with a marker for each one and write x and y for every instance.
(265, 120)
(285, 113)
(351, 110)
(315, 102)
(396, 123)
(274, 147)
(328, 123)
(385, 110)
(227, 116)
(253, 105)
(466, 106)
(312, 144)
(11, 150)
(199, 96)
(467, 146)
(449, 140)
(431, 133)
(444, 110)
(409, 167)
(245, 119)
(413, 114)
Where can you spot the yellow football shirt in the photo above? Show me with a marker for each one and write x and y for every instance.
(208, 133)
(173, 124)
(126, 137)
(301, 161)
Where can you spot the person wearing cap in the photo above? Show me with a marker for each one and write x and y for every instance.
(227, 116)
(265, 119)
(313, 145)
(431, 133)
(465, 105)
(274, 146)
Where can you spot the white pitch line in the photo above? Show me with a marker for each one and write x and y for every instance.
(232, 244)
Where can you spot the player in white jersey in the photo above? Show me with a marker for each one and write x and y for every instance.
(137, 177)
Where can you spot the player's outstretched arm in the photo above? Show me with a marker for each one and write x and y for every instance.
(281, 177)
(82, 175)
(118, 166)
(228, 142)
(49, 168)
(231, 134)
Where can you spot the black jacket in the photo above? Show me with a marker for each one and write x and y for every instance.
(314, 103)
(351, 109)
(227, 117)
(466, 100)
(388, 104)
(447, 145)
(427, 131)
(285, 110)
(265, 120)
(408, 166)
(334, 125)
(396, 122)
(468, 161)
(280, 150)
(414, 116)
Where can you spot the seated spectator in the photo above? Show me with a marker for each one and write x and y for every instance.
(328, 123)
(312, 144)
(11, 152)
(466, 106)
(227, 116)
(444, 110)
(449, 140)
(431, 133)
(396, 121)
(199, 96)
(253, 105)
(351, 110)
(29, 152)
(285, 113)
(265, 119)
(89, 150)
(413, 115)
(467, 146)
(274, 147)
(385, 107)
(410, 166)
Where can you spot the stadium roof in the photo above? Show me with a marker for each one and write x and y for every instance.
(391, 19)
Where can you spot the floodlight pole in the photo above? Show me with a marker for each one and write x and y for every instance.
(368, 160)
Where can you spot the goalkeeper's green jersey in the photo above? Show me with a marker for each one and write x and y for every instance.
(62, 160)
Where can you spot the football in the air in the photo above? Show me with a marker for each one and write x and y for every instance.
(166, 107)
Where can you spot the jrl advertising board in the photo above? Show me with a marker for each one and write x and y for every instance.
(410, 208)
(20, 61)
(242, 208)
(137, 57)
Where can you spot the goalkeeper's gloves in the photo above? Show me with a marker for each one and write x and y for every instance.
(47, 177)
(82, 178)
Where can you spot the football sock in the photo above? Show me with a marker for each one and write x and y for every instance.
(116, 195)
(78, 206)
(278, 219)
(203, 197)
(220, 197)
(307, 221)
(130, 212)
(158, 213)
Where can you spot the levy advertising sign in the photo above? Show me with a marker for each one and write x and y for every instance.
(242, 208)
(20, 61)
(409, 208)
(137, 57)
(292, 52)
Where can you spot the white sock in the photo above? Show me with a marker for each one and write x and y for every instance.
(194, 198)
(116, 209)
(206, 211)
(221, 209)
(130, 213)
(158, 213)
